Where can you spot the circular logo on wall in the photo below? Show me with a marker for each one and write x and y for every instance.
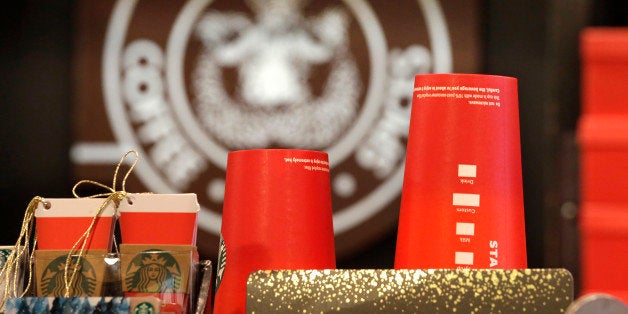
(185, 83)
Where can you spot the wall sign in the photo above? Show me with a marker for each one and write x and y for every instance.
(186, 82)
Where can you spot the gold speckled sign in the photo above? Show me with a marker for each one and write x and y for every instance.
(410, 291)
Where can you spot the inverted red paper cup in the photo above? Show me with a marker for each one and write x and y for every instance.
(277, 215)
(62, 221)
(147, 218)
(462, 197)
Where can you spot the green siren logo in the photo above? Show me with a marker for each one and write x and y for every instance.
(52, 279)
(222, 261)
(153, 271)
(144, 308)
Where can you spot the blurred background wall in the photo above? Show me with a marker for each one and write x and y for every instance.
(535, 41)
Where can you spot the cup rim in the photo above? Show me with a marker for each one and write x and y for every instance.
(276, 150)
(465, 75)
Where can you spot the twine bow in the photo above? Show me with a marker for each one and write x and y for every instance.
(11, 269)
(112, 195)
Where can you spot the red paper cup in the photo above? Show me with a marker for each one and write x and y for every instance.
(171, 219)
(277, 215)
(62, 221)
(462, 198)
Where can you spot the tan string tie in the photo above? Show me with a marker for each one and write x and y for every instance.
(112, 195)
(11, 271)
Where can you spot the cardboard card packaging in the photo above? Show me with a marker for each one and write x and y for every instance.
(50, 268)
(165, 271)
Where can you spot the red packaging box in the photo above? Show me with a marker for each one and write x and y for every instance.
(604, 248)
(604, 55)
(603, 141)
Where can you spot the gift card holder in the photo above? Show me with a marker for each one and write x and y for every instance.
(147, 218)
(60, 222)
(120, 277)
(166, 272)
(49, 275)
(410, 291)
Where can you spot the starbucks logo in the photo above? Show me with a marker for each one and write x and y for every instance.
(187, 82)
(52, 278)
(222, 261)
(153, 271)
(144, 308)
